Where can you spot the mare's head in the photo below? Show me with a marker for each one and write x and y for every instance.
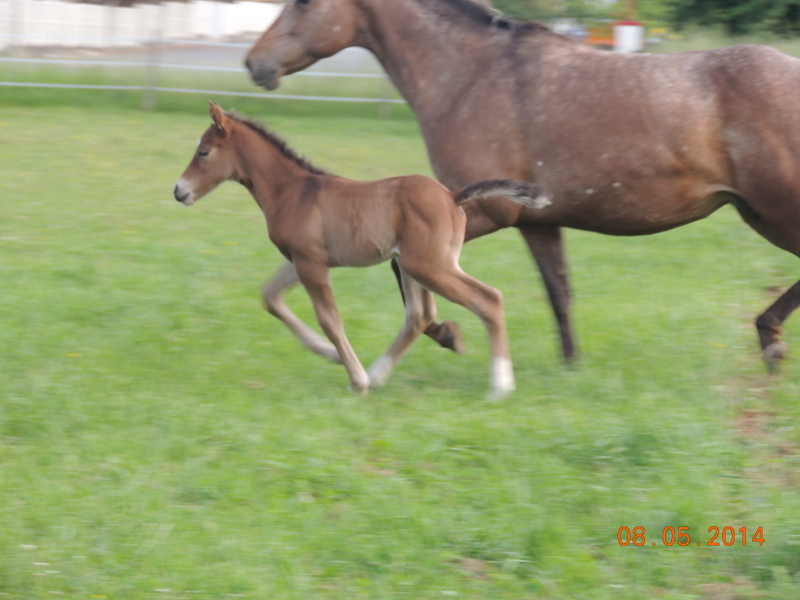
(213, 162)
(306, 31)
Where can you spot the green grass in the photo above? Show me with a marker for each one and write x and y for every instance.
(163, 437)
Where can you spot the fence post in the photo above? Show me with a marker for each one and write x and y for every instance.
(151, 72)
(16, 28)
(112, 7)
(385, 108)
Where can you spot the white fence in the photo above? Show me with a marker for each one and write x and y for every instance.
(31, 23)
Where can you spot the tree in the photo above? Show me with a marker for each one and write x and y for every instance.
(544, 10)
(738, 16)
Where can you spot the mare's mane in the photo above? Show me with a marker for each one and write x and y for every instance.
(278, 142)
(485, 16)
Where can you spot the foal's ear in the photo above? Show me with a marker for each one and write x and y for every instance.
(220, 118)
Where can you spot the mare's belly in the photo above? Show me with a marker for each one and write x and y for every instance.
(637, 212)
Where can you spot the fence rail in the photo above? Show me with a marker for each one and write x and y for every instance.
(122, 63)
(144, 88)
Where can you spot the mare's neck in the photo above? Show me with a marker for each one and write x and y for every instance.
(272, 178)
(424, 53)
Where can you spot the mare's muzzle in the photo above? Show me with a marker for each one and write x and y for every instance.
(264, 75)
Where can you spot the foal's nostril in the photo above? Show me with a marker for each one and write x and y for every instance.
(248, 64)
(178, 196)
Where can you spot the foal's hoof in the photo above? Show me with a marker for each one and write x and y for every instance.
(380, 371)
(774, 354)
(496, 394)
(450, 336)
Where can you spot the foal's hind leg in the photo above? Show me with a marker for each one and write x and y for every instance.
(447, 333)
(285, 278)
(420, 311)
(449, 281)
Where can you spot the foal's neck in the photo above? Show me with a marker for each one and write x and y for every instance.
(271, 177)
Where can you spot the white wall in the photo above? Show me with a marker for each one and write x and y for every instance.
(58, 23)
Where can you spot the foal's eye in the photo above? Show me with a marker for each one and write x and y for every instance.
(303, 2)
(203, 153)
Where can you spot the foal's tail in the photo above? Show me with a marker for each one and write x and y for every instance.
(527, 194)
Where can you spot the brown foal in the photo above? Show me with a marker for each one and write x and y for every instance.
(319, 221)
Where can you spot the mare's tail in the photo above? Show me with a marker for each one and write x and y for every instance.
(527, 194)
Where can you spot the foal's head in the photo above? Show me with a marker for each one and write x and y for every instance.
(213, 162)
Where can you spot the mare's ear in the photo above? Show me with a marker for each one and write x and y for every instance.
(221, 120)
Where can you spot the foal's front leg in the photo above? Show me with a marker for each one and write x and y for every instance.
(316, 279)
(285, 278)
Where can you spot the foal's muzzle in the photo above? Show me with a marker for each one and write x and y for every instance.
(180, 196)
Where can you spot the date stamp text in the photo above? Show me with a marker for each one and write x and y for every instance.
(670, 536)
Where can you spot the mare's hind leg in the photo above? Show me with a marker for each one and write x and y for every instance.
(769, 324)
(420, 311)
(449, 281)
(447, 333)
(316, 279)
(783, 230)
(285, 278)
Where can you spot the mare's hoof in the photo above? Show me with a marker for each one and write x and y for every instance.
(774, 354)
(450, 336)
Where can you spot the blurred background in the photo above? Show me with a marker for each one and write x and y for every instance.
(197, 46)
(189, 47)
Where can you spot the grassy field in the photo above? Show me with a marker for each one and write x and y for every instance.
(163, 437)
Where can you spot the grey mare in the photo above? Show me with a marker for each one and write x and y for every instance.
(625, 144)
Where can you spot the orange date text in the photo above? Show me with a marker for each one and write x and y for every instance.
(681, 536)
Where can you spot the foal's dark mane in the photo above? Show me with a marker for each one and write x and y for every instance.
(483, 15)
(279, 143)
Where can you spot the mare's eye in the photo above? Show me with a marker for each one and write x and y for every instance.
(303, 2)
(203, 153)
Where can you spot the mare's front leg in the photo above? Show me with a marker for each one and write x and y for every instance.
(285, 278)
(546, 244)
(315, 277)
(547, 247)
